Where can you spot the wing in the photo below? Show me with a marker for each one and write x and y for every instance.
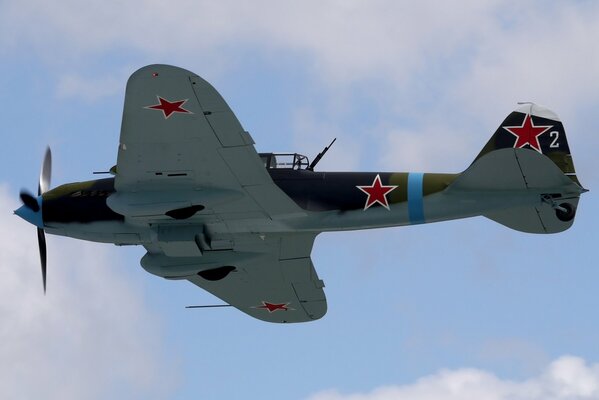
(271, 277)
(183, 155)
(179, 135)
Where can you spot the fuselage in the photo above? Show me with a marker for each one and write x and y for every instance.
(330, 201)
(327, 201)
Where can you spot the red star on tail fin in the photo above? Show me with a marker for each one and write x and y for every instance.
(528, 133)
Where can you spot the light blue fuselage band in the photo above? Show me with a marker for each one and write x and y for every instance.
(415, 206)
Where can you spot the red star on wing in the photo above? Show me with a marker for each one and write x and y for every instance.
(272, 307)
(377, 193)
(169, 107)
(528, 133)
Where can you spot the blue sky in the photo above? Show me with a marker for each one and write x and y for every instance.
(462, 309)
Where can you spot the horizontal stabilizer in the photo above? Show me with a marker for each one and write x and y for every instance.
(539, 197)
(542, 218)
(513, 169)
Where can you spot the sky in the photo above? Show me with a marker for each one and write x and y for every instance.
(464, 309)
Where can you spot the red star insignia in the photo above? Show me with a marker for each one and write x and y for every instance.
(377, 193)
(169, 107)
(272, 307)
(528, 133)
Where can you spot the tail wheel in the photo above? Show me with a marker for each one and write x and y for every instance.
(565, 212)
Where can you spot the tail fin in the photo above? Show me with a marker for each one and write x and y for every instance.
(527, 162)
(534, 127)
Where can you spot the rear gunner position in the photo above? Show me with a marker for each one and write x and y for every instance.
(189, 187)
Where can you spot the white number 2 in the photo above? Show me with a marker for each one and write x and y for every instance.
(555, 136)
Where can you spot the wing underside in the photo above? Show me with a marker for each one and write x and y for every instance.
(270, 277)
(188, 171)
(271, 289)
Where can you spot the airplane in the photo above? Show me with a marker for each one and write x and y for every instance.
(190, 187)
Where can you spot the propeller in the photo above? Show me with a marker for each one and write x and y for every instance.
(29, 201)
(34, 208)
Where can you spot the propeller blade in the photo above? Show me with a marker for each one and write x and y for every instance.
(41, 239)
(45, 173)
(29, 201)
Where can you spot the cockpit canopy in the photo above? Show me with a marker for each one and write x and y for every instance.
(284, 161)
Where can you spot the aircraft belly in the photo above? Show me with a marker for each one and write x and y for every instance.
(447, 206)
(435, 207)
(115, 232)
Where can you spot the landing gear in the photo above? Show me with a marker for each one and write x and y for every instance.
(563, 211)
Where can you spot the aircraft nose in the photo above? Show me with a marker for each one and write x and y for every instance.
(33, 217)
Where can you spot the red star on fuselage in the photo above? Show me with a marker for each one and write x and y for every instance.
(272, 307)
(169, 107)
(377, 193)
(528, 133)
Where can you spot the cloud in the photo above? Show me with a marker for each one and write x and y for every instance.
(347, 38)
(490, 49)
(567, 377)
(542, 55)
(427, 66)
(90, 337)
